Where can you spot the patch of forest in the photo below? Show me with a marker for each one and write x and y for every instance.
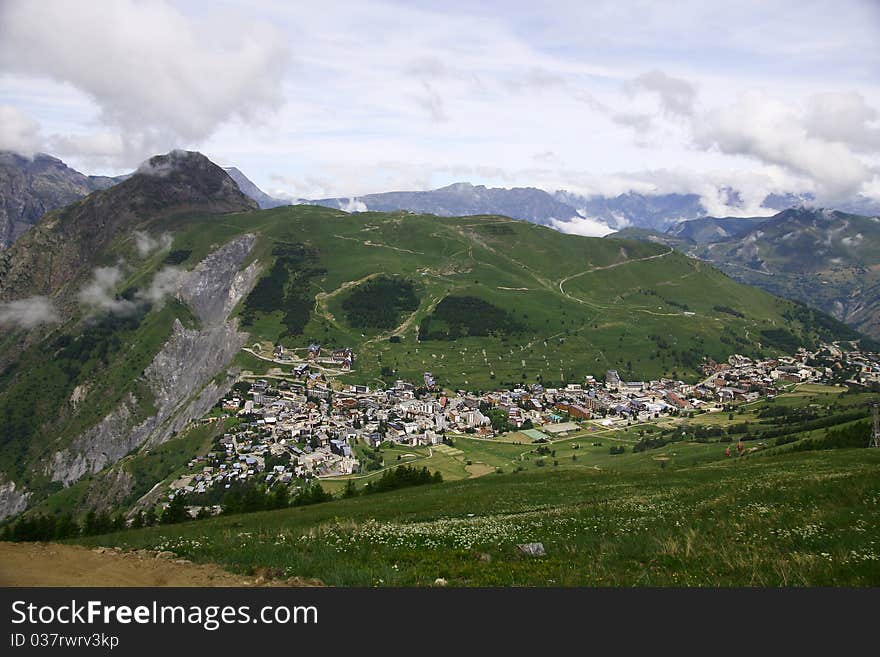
(462, 316)
(380, 302)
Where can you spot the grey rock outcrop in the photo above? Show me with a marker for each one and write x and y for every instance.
(186, 377)
(13, 499)
(215, 286)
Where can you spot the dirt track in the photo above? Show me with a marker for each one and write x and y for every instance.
(52, 564)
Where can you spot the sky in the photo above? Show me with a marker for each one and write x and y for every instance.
(321, 99)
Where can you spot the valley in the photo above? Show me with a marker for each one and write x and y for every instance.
(194, 355)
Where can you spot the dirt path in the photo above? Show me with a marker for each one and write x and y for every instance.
(53, 564)
(611, 266)
(322, 298)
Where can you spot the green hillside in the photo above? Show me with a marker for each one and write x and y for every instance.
(794, 519)
(827, 259)
(552, 307)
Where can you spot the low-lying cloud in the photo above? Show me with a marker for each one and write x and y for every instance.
(99, 295)
(147, 244)
(163, 285)
(582, 226)
(28, 313)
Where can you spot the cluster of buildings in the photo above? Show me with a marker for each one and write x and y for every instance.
(301, 427)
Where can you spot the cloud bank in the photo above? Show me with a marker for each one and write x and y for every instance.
(28, 313)
(157, 76)
(582, 226)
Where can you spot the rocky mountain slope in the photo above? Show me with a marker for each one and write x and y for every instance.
(252, 191)
(124, 366)
(31, 187)
(65, 242)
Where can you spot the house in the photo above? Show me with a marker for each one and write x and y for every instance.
(678, 402)
(340, 447)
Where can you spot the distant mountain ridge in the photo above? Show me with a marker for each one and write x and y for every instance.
(828, 259)
(31, 187)
(250, 189)
(462, 199)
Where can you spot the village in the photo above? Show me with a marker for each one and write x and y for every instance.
(313, 428)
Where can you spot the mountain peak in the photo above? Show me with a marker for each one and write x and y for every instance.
(62, 245)
(185, 177)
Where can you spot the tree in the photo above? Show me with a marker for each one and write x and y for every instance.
(280, 497)
(175, 511)
(350, 489)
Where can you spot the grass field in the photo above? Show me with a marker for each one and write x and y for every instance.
(797, 519)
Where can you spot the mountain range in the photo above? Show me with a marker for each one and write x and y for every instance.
(130, 313)
(29, 187)
(825, 258)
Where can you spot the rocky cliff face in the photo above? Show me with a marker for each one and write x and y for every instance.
(186, 377)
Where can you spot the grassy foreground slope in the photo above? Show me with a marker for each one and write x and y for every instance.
(527, 302)
(809, 518)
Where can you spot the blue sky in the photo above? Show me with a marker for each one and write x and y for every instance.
(328, 98)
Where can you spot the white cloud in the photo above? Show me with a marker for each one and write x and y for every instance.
(677, 96)
(99, 295)
(18, 132)
(28, 313)
(354, 205)
(776, 132)
(146, 243)
(163, 285)
(843, 117)
(157, 76)
(582, 226)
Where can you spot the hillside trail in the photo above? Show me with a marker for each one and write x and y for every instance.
(54, 564)
(604, 267)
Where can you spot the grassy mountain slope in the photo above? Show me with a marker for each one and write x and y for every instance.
(760, 521)
(827, 259)
(561, 306)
